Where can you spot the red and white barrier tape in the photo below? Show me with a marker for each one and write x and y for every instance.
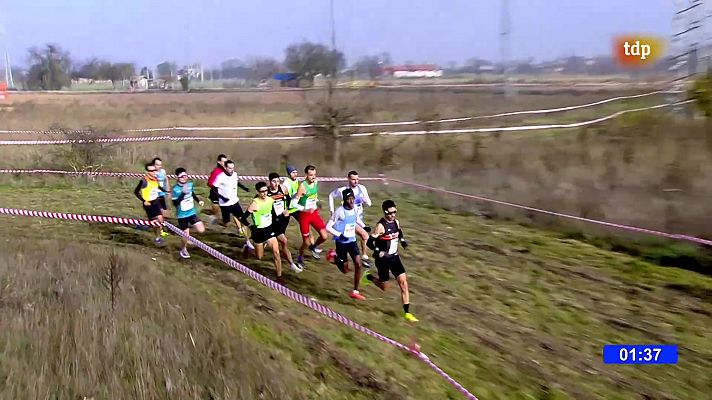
(589, 220)
(394, 133)
(382, 178)
(298, 297)
(355, 125)
(78, 217)
(254, 178)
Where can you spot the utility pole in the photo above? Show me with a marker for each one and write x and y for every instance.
(333, 26)
(8, 72)
(504, 42)
(332, 77)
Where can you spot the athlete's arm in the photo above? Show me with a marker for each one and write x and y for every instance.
(371, 242)
(295, 201)
(168, 184)
(332, 195)
(252, 208)
(337, 216)
(217, 183)
(359, 222)
(141, 185)
(243, 187)
(400, 235)
(177, 197)
(287, 199)
(364, 196)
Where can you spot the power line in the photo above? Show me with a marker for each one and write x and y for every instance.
(691, 44)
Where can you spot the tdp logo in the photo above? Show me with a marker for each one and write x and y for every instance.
(637, 51)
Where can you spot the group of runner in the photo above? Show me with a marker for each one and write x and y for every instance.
(268, 217)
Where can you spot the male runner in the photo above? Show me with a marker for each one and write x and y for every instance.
(278, 193)
(361, 199)
(162, 177)
(227, 184)
(148, 190)
(292, 184)
(262, 229)
(306, 201)
(344, 224)
(384, 243)
(219, 168)
(184, 199)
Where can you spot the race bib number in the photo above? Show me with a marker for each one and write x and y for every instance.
(187, 204)
(359, 209)
(350, 230)
(279, 207)
(266, 220)
(393, 247)
(311, 204)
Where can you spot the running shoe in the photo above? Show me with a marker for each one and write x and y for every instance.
(315, 249)
(366, 264)
(300, 262)
(295, 268)
(158, 240)
(366, 278)
(410, 317)
(315, 253)
(164, 233)
(356, 295)
(249, 245)
(184, 253)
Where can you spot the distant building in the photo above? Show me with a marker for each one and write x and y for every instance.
(414, 71)
(139, 82)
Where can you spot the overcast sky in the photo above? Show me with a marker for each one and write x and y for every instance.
(150, 31)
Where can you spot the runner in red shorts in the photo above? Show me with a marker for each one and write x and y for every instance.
(307, 202)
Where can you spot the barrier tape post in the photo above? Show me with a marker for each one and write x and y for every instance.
(298, 297)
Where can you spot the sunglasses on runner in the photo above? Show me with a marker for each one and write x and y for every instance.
(263, 191)
(182, 176)
(391, 212)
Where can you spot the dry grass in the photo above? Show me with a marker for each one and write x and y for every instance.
(39, 111)
(62, 339)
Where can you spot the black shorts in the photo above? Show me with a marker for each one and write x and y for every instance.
(162, 202)
(295, 215)
(187, 222)
(344, 250)
(280, 225)
(389, 264)
(213, 196)
(227, 211)
(153, 210)
(261, 235)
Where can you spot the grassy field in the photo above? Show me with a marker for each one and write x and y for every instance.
(38, 111)
(511, 312)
